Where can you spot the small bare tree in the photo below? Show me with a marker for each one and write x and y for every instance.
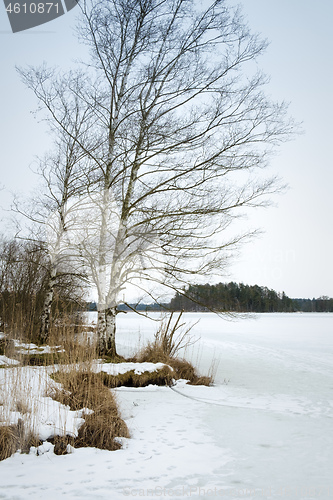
(63, 176)
(181, 125)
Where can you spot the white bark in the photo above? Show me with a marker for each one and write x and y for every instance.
(46, 314)
(107, 332)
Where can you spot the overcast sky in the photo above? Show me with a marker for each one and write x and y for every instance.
(295, 252)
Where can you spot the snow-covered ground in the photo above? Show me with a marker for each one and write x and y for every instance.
(263, 431)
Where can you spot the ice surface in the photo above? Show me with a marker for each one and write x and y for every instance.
(263, 431)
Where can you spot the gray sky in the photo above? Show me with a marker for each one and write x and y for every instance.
(295, 252)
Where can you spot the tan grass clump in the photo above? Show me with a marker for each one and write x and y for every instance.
(85, 389)
(14, 438)
(9, 442)
(162, 376)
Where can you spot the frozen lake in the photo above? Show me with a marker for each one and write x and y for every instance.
(273, 404)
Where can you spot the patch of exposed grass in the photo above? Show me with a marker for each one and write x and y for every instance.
(29, 441)
(14, 438)
(163, 376)
(185, 370)
(85, 389)
(9, 442)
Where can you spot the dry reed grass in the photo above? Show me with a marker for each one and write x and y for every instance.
(9, 441)
(73, 349)
(85, 389)
(14, 437)
(168, 341)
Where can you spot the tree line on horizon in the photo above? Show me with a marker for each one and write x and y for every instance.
(232, 297)
(237, 297)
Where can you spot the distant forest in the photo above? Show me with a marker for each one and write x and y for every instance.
(235, 297)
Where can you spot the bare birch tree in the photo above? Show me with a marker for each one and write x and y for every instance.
(62, 172)
(182, 125)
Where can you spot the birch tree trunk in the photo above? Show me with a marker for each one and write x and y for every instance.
(46, 314)
(107, 332)
(107, 304)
